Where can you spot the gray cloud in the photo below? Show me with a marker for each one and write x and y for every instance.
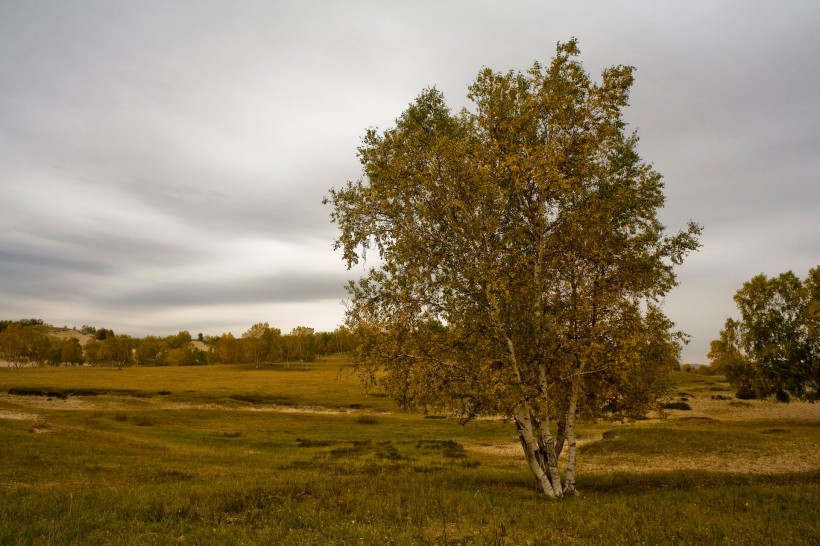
(287, 287)
(146, 149)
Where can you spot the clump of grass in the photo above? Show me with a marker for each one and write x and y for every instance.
(229, 434)
(745, 393)
(681, 405)
(366, 420)
(39, 428)
(776, 431)
(143, 421)
(164, 393)
(259, 399)
(307, 442)
(356, 449)
(250, 398)
(386, 450)
(448, 448)
(120, 417)
(88, 392)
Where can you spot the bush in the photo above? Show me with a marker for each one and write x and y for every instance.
(746, 392)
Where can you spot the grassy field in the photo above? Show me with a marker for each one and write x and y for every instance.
(236, 455)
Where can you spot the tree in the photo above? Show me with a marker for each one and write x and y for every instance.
(151, 351)
(301, 344)
(113, 349)
(187, 355)
(774, 347)
(521, 258)
(103, 334)
(181, 340)
(342, 340)
(261, 343)
(20, 345)
(66, 350)
(71, 351)
(226, 350)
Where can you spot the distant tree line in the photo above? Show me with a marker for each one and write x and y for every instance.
(27, 341)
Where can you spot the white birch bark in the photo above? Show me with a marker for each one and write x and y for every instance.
(569, 486)
(530, 446)
(547, 442)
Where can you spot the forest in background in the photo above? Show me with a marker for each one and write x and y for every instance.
(34, 342)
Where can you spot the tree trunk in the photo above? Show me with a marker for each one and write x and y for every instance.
(560, 435)
(569, 486)
(549, 456)
(523, 422)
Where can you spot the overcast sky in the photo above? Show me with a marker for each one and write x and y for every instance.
(162, 163)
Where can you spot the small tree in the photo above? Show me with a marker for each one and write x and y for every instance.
(259, 343)
(66, 350)
(112, 350)
(301, 344)
(226, 349)
(774, 347)
(151, 351)
(20, 345)
(72, 351)
(522, 258)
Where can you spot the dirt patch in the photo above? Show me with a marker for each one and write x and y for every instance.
(750, 410)
(41, 402)
(513, 449)
(318, 410)
(795, 460)
(112, 402)
(18, 416)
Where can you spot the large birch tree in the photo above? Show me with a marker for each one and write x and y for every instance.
(521, 260)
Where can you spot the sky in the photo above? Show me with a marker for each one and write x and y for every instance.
(163, 163)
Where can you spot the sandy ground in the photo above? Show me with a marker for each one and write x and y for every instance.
(67, 333)
(18, 416)
(42, 402)
(120, 402)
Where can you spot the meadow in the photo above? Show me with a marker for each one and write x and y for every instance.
(302, 455)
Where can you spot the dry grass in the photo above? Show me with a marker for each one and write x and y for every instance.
(749, 410)
(237, 455)
(784, 448)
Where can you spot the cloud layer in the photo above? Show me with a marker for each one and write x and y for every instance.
(162, 164)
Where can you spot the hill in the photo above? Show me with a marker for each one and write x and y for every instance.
(66, 333)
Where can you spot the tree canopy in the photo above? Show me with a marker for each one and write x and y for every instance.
(774, 347)
(521, 257)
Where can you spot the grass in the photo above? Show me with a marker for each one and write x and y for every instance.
(290, 456)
